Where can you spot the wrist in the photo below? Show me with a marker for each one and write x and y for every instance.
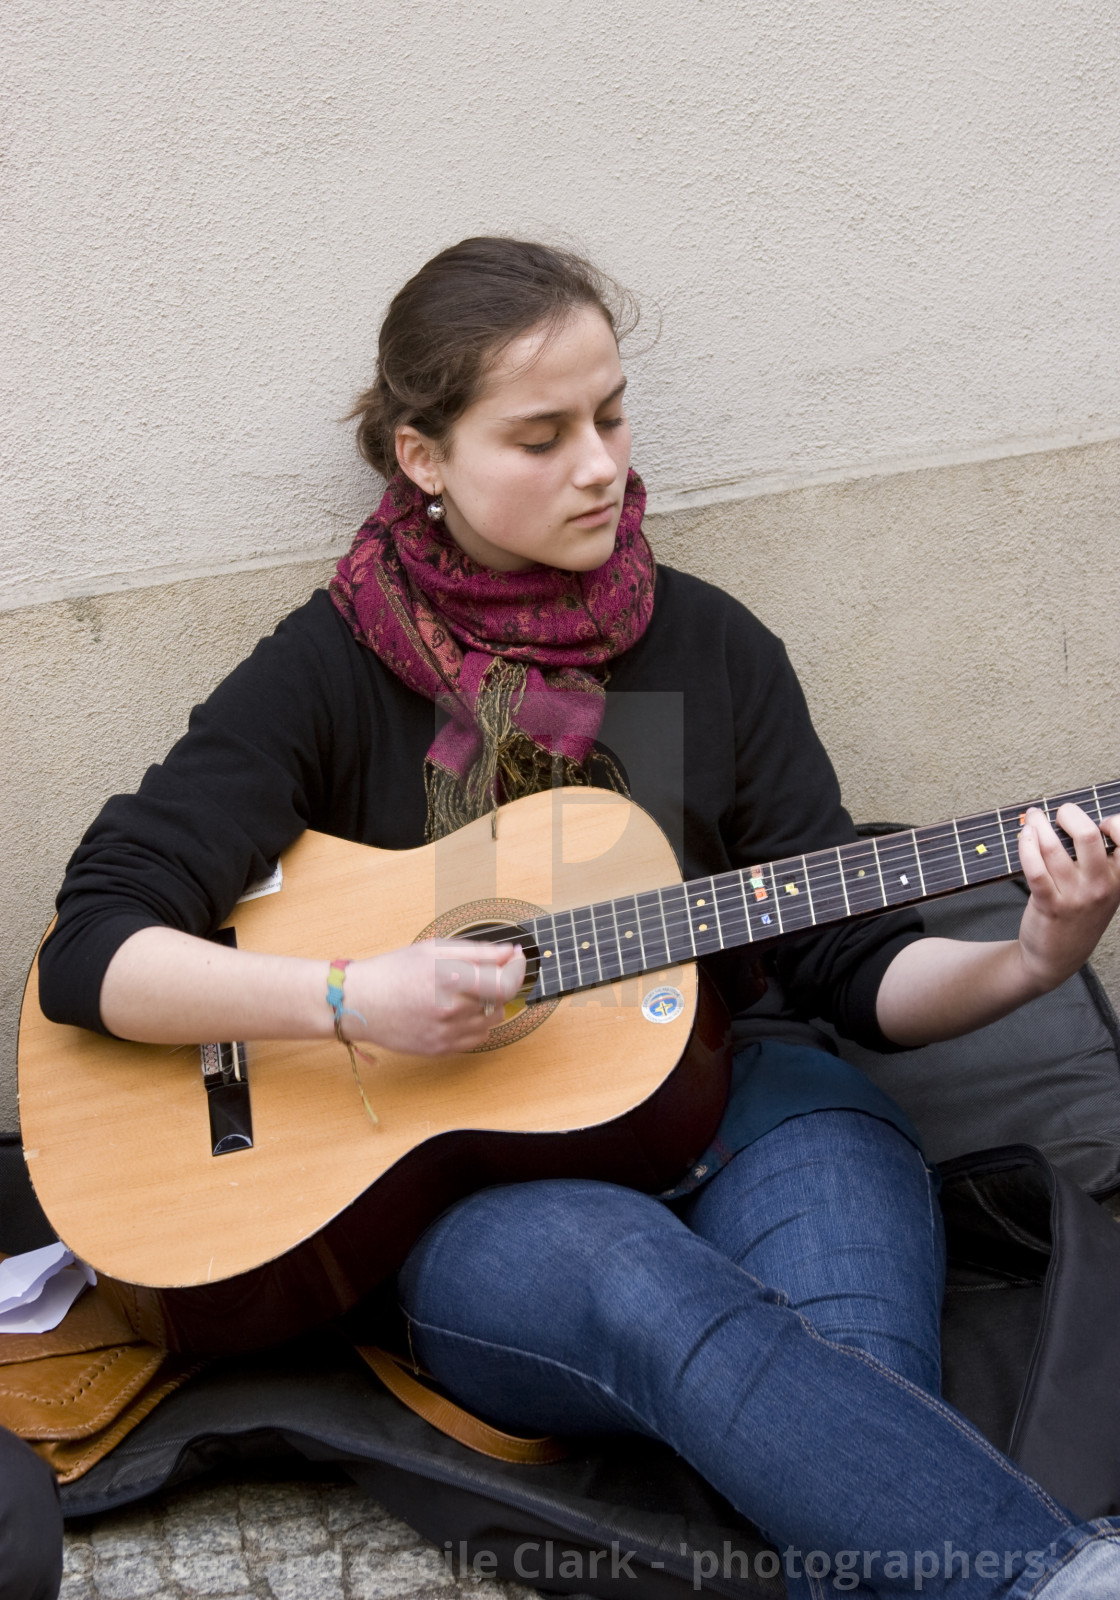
(1036, 977)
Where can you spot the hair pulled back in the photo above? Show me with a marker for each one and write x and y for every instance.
(445, 328)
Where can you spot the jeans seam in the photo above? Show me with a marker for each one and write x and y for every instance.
(934, 1212)
(1071, 1555)
(950, 1416)
(470, 1339)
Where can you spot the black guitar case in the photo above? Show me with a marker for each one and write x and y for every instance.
(1031, 1334)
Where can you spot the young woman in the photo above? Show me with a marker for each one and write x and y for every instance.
(776, 1319)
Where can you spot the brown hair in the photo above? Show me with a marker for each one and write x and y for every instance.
(445, 328)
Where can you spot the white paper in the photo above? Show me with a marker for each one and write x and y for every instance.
(38, 1288)
(272, 884)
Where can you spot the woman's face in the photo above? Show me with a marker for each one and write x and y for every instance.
(536, 468)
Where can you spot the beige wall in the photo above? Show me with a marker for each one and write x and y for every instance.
(878, 231)
(955, 628)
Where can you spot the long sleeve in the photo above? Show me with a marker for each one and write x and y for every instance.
(309, 731)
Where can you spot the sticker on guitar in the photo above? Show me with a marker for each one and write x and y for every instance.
(663, 1004)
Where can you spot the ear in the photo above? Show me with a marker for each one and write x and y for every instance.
(416, 457)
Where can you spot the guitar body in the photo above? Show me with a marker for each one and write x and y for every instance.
(220, 1253)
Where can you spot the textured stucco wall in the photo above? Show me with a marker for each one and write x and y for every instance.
(879, 230)
(956, 631)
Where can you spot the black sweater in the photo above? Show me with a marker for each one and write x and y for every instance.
(704, 715)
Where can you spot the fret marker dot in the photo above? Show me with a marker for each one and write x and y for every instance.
(547, 954)
(629, 935)
(585, 945)
(701, 902)
(791, 888)
(981, 849)
(902, 878)
(702, 927)
(861, 873)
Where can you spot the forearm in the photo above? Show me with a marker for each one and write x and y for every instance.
(166, 987)
(941, 988)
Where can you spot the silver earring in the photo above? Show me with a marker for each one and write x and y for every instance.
(436, 509)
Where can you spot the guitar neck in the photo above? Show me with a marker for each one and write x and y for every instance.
(613, 939)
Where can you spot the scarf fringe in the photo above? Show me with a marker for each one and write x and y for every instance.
(510, 764)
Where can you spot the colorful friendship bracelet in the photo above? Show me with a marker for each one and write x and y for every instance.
(336, 978)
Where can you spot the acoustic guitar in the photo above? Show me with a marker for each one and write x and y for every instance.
(240, 1193)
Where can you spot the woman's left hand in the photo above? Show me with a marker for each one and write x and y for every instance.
(1072, 901)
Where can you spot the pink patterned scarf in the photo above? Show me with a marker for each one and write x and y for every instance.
(511, 657)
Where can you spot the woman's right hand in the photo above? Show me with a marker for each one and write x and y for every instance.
(431, 999)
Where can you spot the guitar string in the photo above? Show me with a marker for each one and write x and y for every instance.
(951, 838)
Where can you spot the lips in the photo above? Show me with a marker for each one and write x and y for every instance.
(594, 513)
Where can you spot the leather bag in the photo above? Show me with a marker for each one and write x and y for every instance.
(75, 1392)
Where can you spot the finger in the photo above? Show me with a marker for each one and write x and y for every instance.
(1030, 855)
(1084, 832)
(512, 975)
(480, 953)
(455, 982)
(1111, 827)
(496, 985)
(1050, 848)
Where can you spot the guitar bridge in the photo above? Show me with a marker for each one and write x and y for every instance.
(225, 1076)
(225, 1073)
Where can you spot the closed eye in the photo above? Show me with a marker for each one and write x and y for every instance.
(549, 444)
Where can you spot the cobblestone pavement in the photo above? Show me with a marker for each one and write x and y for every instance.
(261, 1541)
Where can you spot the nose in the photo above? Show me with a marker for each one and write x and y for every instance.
(595, 467)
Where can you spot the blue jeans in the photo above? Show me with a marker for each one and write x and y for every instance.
(779, 1329)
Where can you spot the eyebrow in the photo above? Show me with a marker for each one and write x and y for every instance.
(554, 416)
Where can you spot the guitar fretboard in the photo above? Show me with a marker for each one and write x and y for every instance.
(621, 938)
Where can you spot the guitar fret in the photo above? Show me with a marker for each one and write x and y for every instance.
(897, 855)
(587, 964)
(632, 955)
(825, 877)
(731, 909)
(566, 946)
(595, 947)
(698, 908)
(843, 885)
(940, 859)
(678, 922)
(861, 877)
(606, 929)
(918, 859)
(960, 851)
(544, 937)
(879, 870)
(664, 925)
(715, 908)
(763, 916)
(651, 926)
(794, 908)
(808, 889)
(981, 838)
